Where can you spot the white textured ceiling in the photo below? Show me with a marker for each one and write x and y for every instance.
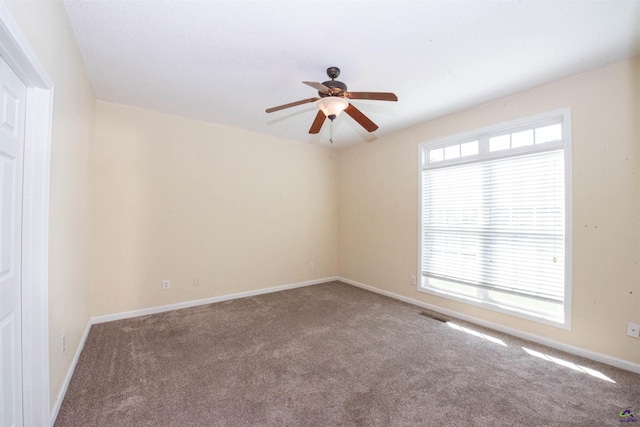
(225, 62)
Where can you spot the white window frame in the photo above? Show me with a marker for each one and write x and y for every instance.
(483, 135)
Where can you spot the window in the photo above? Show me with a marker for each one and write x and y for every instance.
(495, 218)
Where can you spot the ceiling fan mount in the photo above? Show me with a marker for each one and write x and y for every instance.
(333, 72)
(330, 108)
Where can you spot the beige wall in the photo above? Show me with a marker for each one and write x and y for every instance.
(180, 199)
(378, 201)
(47, 29)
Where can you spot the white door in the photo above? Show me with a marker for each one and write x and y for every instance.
(13, 95)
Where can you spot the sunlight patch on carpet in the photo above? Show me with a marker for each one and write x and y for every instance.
(569, 365)
(477, 334)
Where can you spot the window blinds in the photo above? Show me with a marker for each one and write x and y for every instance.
(497, 224)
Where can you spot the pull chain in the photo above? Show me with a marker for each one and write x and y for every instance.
(331, 132)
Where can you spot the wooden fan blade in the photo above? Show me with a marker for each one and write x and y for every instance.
(376, 96)
(292, 104)
(363, 120)
(317, 123)
(319, 87)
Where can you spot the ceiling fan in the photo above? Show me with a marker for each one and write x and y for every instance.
(333, 100)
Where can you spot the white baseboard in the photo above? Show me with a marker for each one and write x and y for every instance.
(187, 304)
(588, 354)
(67, 378)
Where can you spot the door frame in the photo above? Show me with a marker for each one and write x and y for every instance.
(16, 51)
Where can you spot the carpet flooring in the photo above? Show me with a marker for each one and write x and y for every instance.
(332, 355)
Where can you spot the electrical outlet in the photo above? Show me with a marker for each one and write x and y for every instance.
(311, 266)
(64, 343)
(196, 281)
(413, 280)
(166, 284)
(633, 330)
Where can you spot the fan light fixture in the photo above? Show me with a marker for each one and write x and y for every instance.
(332, 106)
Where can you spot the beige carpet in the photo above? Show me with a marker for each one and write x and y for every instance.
(331, 355)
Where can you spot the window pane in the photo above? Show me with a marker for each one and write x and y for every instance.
(452, 152)
(469, 148)
(520, 139)
(458, 288)
(550, 308)
(549, 134)
(498, 143)
(436, 155)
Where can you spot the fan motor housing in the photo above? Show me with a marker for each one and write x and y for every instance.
(337, 87)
